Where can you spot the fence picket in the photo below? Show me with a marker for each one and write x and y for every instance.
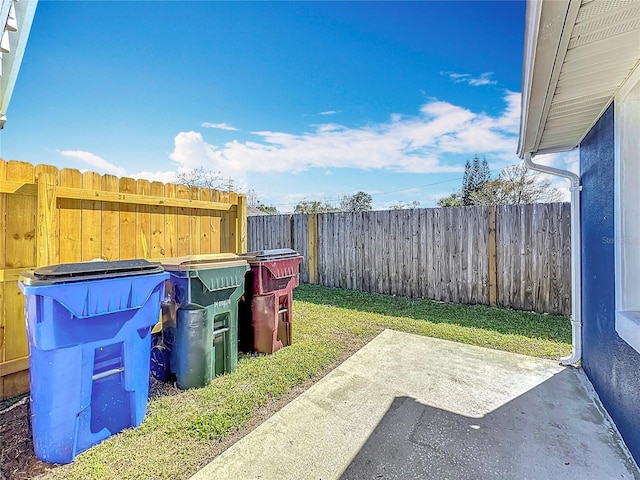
(170, 218)
(128, 237)
(110, 245)
(157, 224)
(91, 219)
(20, 245)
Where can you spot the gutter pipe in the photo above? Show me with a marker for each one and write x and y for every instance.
(576, 260)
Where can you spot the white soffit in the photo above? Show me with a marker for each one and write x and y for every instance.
(577, 55)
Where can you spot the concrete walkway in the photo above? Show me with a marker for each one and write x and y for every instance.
(412, 407)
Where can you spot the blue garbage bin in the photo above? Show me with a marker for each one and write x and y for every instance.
(88, 326)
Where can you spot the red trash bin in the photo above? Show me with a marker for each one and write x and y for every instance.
(266, 312)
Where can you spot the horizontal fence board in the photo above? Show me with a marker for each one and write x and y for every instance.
(438, 253)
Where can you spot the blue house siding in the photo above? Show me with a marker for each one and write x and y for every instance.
(612, 366)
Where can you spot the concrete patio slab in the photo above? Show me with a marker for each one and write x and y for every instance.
(412, 407)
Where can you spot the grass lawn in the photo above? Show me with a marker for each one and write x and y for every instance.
(184, 430)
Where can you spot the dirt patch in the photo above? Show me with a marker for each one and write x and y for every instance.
(17, 458)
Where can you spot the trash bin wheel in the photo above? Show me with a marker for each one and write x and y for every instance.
(159, 360)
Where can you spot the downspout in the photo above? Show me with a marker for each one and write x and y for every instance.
(576, 260)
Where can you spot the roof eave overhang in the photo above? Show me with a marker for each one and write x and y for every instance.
(547, 31)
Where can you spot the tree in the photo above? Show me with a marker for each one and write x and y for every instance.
(402, 205)
(253, 201)
(466, 184)
(252, 198)
(314, 206)
(358, 202)
(453, 200)
(476, 176)
(270, 209)
(201, 177)
(484, 175)
(475, 182)
(516, 185)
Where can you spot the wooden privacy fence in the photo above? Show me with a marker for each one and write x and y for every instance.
(515, 256)
(52, 216)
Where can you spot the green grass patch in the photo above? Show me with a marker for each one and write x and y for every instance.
(547, 336)
(180, 431)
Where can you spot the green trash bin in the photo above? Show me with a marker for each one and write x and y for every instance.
(200, 316)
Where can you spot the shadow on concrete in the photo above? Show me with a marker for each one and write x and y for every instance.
(534, 436)
(504, 321)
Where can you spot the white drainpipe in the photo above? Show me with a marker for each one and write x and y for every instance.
(576, 261)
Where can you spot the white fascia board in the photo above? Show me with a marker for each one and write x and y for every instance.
(534, 10)
(545, 25)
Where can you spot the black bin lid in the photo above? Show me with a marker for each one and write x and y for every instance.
(75, 272)
(269, 255)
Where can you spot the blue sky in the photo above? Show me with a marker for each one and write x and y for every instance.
(293, 100)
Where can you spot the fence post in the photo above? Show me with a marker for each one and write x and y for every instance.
(241, 225)
(290, 233)
(493, 271)
(312, 226)
(45, 248)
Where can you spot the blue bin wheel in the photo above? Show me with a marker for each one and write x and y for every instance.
(160, 362)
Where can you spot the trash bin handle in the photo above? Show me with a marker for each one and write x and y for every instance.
(220, 330)
(82, 308)
(92, 315)
(108, 373)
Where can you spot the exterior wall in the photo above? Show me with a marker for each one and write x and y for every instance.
(612, 366)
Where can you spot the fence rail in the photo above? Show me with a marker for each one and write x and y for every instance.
(52, 216)
(515, 256)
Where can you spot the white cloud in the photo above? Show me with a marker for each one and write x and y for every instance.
(482, 79)
(326, 112)
(415, 144)
(220, 126)
(97, 163)
(164, 177)
(102, 166)
(510, 119)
